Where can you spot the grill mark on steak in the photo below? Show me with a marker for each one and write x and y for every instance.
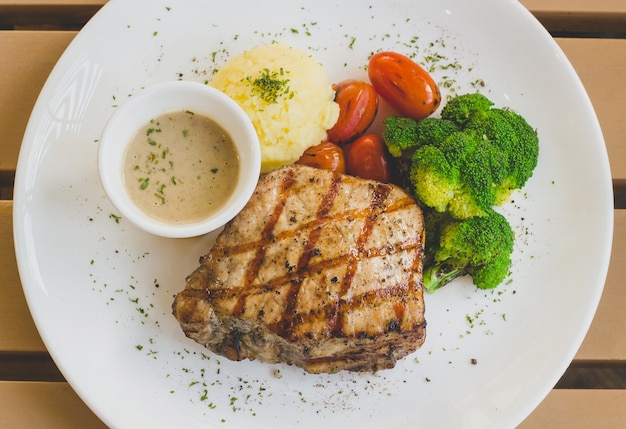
(266, 235)
(413, 283)
(289, 318)
(378, 199)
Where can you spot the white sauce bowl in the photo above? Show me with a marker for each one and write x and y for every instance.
(168, 97)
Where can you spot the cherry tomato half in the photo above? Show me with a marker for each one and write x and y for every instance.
(325, 155)
(358, 104)
(405, 85)
(366, 157)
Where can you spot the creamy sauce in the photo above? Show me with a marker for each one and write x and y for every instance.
(181, 167)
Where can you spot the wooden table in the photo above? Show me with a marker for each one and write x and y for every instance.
(33, 394)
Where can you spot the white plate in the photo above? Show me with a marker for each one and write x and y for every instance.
(100, 290)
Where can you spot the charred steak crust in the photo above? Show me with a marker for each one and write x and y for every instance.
(320, 270)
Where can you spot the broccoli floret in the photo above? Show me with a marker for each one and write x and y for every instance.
(434, 130)
(456, 175)
(463, 108)
(400, 134)
(476, 173)
(404, 135)
(517, 148)
(524, 152)
(435, 180)
(480, 247)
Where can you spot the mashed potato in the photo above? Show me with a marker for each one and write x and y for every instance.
(286, 94)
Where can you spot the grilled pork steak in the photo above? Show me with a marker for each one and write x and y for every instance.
(320, 270)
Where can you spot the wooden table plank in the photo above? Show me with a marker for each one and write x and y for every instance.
(52, 2)
(607, 16)
(47, 14)
(606, 338)
(17, 329)
(600, 65)
(571, 6)
(48, 405)
(576, 6)
(36, 405)
(579, 409)
(602, 18)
